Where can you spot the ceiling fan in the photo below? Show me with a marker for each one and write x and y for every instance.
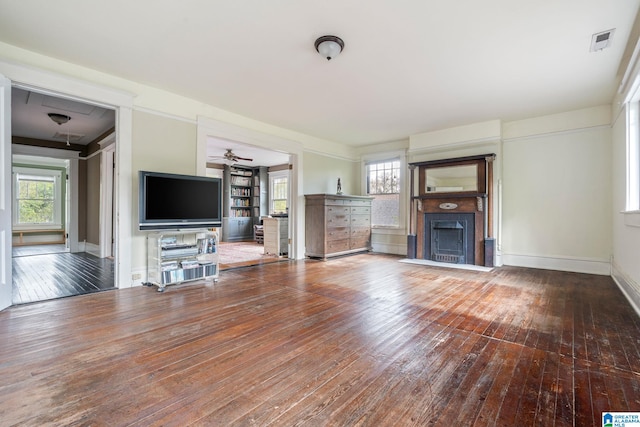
(229, 156)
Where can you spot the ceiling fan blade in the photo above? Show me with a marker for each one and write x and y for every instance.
(243, 158)
(229, 156)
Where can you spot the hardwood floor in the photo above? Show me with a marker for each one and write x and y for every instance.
(40, 277)
(360, 340)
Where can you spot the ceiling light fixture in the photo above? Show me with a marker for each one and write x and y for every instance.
(329, 46)
(59, 118)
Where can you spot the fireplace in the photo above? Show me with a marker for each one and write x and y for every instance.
(450, 237)
(451, 212)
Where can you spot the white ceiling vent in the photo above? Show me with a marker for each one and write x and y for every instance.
(601, 40)
(73, 137)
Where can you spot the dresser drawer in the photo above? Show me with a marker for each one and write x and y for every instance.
(360, 220)
(358, 202)
(359, 243)
(360, 232)
(338, 210)
(338, 245)
(338, 220)
(337, 233)
(361, 210)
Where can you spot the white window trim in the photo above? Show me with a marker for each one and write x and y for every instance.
(275, 175)
(631, 94)
(403, 201)
(633, 155)
(57, 175)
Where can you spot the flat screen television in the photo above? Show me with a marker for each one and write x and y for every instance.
(171, 201)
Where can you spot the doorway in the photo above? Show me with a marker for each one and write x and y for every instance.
(249, 200)
(49, 131)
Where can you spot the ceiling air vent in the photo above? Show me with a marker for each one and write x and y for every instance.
(601, 40)
(73, 137)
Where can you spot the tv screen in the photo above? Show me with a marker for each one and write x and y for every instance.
(171, 201)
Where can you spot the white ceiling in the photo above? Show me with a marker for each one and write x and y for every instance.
(29, 118)
(409, 66)
(216, 147)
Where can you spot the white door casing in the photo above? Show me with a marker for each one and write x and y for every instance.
(6, 277)
(84, 91)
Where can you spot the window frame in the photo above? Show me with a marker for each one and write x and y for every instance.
(272, 177)
(632, 154)
(50, 173)
(400, 156)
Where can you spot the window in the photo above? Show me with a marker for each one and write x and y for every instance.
(279, 192)
(383, 183)
(38, 198)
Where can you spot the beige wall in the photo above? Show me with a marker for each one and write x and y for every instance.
(556, 198)
(160, 144)
(321, 174)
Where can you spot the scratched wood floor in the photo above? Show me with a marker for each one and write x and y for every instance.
(40, 276)
(360, 340)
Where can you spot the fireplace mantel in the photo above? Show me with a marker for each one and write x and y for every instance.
(448, 189)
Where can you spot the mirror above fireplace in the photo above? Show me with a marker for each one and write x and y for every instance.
(451, 179)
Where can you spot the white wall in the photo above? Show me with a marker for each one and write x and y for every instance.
(321, 174)
(556, 201)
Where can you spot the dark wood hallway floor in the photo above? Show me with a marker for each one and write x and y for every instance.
(39, 276)
(362, 340)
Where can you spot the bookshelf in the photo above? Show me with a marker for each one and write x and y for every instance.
(242, 202)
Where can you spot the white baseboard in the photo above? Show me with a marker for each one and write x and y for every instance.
(390, 248)
(138, 276)
(92, 249)
(576, 265)
(447, 265)
(628, 286)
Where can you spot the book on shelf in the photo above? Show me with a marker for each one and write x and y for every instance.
(207, 246)
(168, 265)
(240, 213)
(241, 180)
(240, 203)
(241, 192)
(189, 264)
(168, 241)
(241, 172)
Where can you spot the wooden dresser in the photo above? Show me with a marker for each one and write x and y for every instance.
(337, 225)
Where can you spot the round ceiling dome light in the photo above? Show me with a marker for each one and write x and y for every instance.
(329, 46)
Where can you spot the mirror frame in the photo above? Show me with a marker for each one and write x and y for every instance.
(481, 177)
